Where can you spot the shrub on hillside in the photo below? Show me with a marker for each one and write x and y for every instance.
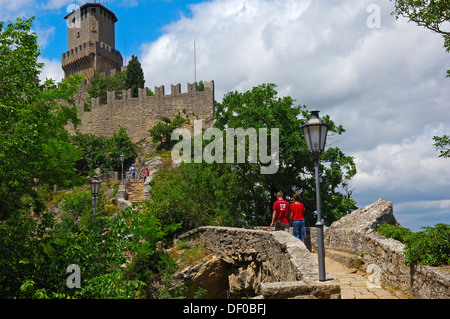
(430, 246)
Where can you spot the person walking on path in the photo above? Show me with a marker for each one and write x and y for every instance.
(280, 215)
(298, 221)
(147, 173)
(133, 171)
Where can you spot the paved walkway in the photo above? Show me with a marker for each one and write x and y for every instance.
(353, 284)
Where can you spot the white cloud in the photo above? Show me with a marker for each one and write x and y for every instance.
(44, 35)
(52, 70)
(386, 86)
(58, 4)
(408, 171)
(9, 10)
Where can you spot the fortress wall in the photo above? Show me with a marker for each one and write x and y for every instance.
(138, 115)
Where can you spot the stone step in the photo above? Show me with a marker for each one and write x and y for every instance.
(136, 192)
(345, 258)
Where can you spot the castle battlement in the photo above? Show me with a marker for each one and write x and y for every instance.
(88, 56)
(88, 48)
(139, 114)
(192, 88)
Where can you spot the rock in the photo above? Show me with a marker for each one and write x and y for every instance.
(368, 217)
(211, 275)
(123, 203)
(345, 234)
(281, 290)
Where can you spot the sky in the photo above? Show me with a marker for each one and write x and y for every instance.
(382, 79)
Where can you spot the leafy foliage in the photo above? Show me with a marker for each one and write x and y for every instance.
(237, 194)
(396, 232)
(34, 144)
(430, 246)
(443, 145)
(99, 85)
(161, 133)
(35, 254)
(262, 108)
(104, 152)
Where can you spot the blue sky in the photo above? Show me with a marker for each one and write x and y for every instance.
(382, 79)
(139, 21)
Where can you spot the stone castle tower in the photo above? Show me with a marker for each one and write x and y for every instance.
(91, 48)
(91, 41)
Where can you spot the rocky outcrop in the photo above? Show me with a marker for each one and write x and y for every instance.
(346, 233)
(210, 275)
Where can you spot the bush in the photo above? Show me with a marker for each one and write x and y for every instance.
(395, 232)
(430, 246)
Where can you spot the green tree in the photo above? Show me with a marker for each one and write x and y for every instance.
(262, 108)
(104, 152)
(34, 255)
(134, 76)
(237, 194)
(34, 144)
(99, 85)
(162, 132)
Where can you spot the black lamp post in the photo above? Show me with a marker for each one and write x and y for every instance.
(315, 132)
(122, 158)
(95, 186)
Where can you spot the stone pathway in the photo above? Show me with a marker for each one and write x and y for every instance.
(353, 284)
(136, 192)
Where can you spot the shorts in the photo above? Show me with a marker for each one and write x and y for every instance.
(278, 225)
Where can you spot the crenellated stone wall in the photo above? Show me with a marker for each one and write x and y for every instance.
(139, 114)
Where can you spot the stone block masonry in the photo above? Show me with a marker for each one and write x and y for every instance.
(281, 265)
(354, 234)
(138, 115)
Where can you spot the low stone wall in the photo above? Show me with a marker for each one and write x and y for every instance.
(354, 234)
(386, 254)
(287, 268)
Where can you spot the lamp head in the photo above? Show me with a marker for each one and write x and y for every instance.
(315, 133)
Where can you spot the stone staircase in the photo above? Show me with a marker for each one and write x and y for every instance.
(136, 192)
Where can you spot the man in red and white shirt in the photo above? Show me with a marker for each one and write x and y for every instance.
(280, 215)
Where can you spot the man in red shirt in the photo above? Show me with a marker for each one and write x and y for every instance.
(280, 215)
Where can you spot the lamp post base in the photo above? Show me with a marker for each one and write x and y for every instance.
(321, 251)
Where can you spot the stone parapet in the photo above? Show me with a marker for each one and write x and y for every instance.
(139, 114)
(354, 234)
(282, 259)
